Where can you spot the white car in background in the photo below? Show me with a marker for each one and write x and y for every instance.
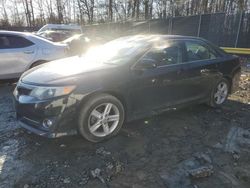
(59, 32)
(21, 51)
(76, 29)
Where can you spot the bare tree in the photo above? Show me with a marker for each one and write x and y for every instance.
(59, 11)
(81, 12)
(39, 12)
(27, 12)
(41, 19)
(15, 14)
(146, 9)
(164, 11)
(5, 20)
(88, 9)
(110, 10)
(32, 12)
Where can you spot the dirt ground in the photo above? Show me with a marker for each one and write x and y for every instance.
(192, 147)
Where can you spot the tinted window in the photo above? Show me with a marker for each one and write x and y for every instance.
(7, 42)
(166, 54)
(4, 42)
(197, 51)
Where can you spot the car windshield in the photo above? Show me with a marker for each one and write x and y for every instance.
(40, 37)
(43, 29)
(117, 51)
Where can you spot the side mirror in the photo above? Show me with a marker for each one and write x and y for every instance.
(145, 64)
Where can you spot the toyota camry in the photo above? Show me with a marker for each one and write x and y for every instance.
(126, 79)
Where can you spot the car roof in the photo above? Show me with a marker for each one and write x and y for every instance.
(158, 37)
(146, 37)
(149, 40)
(60, 27)
(15, 33)
(72, 26)
(25, 35)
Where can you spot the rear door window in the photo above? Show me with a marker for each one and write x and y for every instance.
(197, 51)
(4, 42)
(11, 41)
(19, 42)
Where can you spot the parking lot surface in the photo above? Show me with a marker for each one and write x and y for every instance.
(196, 146)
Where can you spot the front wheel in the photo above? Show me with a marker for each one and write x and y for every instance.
(101, 117)
(220, 93)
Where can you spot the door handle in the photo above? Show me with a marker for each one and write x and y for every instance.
(28, 52)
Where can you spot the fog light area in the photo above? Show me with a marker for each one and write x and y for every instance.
(47, 123)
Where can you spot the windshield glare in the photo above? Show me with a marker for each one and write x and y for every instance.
(114, 52)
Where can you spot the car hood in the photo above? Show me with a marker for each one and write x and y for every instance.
(62, 71)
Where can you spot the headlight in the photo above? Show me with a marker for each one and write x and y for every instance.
(43, 93)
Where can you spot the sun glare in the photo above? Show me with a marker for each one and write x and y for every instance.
(114, 52)
(106, 52)
(2, 161)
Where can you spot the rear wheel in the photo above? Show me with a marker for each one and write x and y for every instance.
(220, 93)
(101, 118)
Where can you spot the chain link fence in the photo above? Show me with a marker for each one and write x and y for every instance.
(219, 28)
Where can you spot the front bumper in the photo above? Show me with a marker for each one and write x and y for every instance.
(61, 111)
(37, 131)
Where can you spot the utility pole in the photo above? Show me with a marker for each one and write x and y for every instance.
(238, 32)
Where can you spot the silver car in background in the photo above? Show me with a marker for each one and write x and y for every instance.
(21, 51)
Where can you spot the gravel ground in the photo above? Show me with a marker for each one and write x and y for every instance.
(187, 148)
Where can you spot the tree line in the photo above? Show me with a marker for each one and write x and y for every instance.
(39, 12)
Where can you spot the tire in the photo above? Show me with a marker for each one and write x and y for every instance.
(97, 113)
(219, 96)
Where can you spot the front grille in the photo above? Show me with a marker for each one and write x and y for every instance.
(31, 123)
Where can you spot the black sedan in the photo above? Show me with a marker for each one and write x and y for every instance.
(125, 79)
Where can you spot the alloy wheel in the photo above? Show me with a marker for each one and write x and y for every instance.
(103, 119)
(221, 93)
